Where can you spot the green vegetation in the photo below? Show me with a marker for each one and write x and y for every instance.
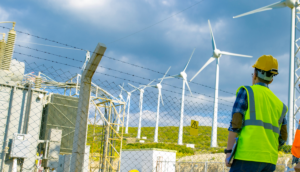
(168, 139)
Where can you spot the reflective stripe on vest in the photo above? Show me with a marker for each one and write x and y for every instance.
(254, 121)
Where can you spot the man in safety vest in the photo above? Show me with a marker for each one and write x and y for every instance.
(258, 120)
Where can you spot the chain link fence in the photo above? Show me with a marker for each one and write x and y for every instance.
(46, 126)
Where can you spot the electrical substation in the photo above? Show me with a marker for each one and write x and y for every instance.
(38, 127)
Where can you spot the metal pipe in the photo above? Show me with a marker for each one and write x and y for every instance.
(27, 110)
(46, 150)
(15, 165)
(5, 149)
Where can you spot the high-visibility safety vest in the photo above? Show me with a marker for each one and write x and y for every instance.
(296, 144)
(258, 139)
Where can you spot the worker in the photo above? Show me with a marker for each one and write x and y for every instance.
(258, 120)
(296, 149)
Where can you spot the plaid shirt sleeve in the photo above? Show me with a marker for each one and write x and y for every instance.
(280, 140)
(240, 106)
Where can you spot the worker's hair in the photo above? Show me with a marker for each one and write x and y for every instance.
(268, 74)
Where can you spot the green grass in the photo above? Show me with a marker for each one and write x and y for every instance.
(168, 139)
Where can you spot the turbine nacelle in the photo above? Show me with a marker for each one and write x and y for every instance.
(183, 75)
(217, 53)
(291, 3)
(159, 86)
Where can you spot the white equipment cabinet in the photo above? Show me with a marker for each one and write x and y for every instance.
(19, 146)
(21, 111)
(148, 160)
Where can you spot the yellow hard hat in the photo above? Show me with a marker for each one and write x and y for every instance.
(134, 170)
(267, 63)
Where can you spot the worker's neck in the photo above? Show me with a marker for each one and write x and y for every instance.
(256, 81)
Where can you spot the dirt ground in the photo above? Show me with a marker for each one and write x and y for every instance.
(215, 163)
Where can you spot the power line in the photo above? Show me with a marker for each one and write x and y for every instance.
(118, 77)
(121, 62)
(148, 79)
(49, 45)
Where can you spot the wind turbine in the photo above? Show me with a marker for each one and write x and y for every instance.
(128, 106)
(121, 99)
(158, 86)
(142, 89)
(216, 55)
(182, 75)
(292, 4)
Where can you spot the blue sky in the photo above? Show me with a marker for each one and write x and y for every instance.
(85, 23)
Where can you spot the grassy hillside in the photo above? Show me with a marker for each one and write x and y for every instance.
(168, 139)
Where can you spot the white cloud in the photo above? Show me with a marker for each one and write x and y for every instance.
(181, 30)
(4, 15)
(110, 14)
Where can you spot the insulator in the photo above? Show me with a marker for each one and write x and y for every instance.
(2, 47)
(8, 51)
(38, 82)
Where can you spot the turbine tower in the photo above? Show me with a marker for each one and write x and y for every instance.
(216, 55)
(158, 86)
(182, 75)
(142, 89)
(293, 4)
(128, 107)
(121, 99)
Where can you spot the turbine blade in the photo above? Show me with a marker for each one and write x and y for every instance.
(133, 91)
(162, 101)
(280, 4)
(123, 88)
(148, 84)
(169, 77)
(212, 37)
(233, 54)
(207, 63)
(189, 60)
(133, 86)
(187, 84)
(165, 75)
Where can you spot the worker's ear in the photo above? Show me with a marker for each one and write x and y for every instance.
(270, 82)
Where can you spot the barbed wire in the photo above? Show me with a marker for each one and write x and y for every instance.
(121, 78)
(121, 62)
(148, 79)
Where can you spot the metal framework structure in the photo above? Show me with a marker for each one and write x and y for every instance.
(297, 77)
(106, 141)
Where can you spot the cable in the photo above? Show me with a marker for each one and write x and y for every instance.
(49, 45)
(124, 63)
(118, 77)
(119, 72)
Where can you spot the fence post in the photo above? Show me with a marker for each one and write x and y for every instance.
(80, 135)
(205, 166)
